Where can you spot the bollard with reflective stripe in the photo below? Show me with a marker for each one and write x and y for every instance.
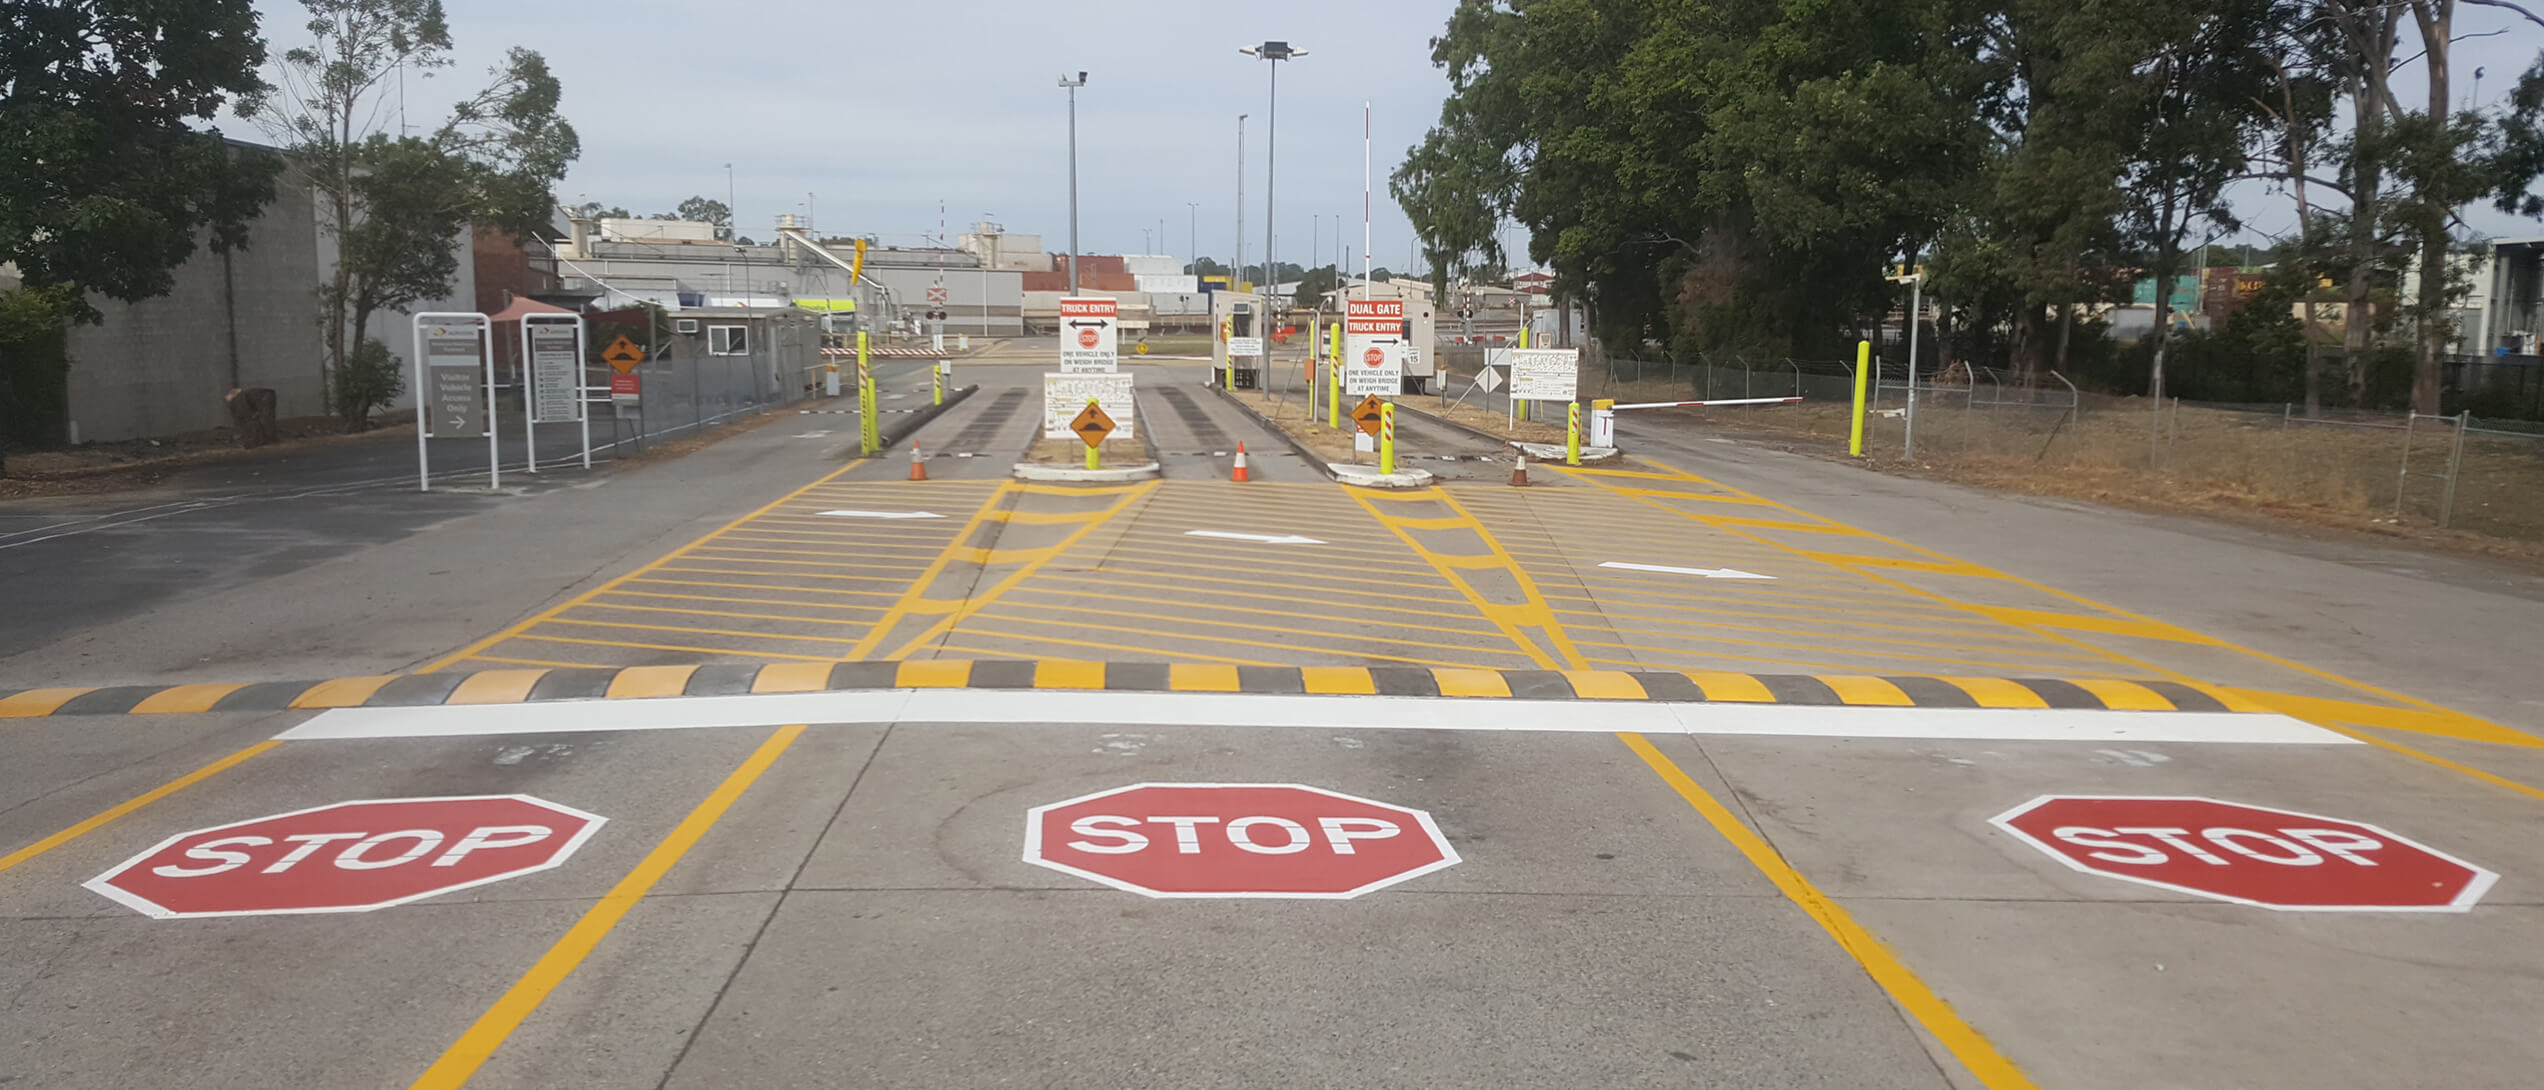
(1572, 433)
(1334, 400)
(1386, 437)
(869, 434)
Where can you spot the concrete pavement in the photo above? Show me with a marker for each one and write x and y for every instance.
(1720, 738)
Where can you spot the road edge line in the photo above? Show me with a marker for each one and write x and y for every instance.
(1978, 1055)
(119, 810)
(478, 1043)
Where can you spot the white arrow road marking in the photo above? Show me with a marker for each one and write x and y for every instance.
(1268, 539)
(884, 514)
(1709, 573)
(813, 435)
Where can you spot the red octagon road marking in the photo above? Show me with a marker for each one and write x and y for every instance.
(2252, 855)
(1235, 840)
(348, 856)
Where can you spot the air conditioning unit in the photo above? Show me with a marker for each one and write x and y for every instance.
(685, 325)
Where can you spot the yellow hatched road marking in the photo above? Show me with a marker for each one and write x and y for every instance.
(739, 616)
(1977, 1054)
(547, 663)
(1347, 619)
(1321, 637)
(978, 631)
(778, 575)
(692, 628)
(185, 698)
(478, 1044)
(1840, 638)
(1703, 655)
(652, 581)
(735, 652)
(978, 600)
(1181, 637)
(1511, 619)
(1687, 639)
(913, 596)
(1111, 576)
(524, 624)
(1384, 588)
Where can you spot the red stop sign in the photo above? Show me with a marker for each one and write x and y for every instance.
(2250, 855)
(1087, 338)
(1374, 357)
(1235, 840)
(347, 857)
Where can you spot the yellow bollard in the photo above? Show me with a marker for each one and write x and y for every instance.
(1386, 437)
(1572, 433)
(938, 382)
(1863, 373)
(1091, 447)
(869, 430)
(1523, 343)
(1334, 397)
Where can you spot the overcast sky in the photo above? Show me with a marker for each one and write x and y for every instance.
(868, 114)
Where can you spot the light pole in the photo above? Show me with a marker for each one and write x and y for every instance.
(1073, 85)
(1236, 272)
(1192, 235)
(1275, 52)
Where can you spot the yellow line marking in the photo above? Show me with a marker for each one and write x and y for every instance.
(978, 600)
(1206, 634)
(788, 636)
(654, 581)
(915, 594)
(779, 575)
(2264, 656)
(103, 817)
(496, 687)
(1810, 665)
(1221, 607)
(1205, 623)
(1062, 674)
(2119, 695)
(636, 682)
(2115, 626)
(1860, 689)
(1338, 680)
(2454, 725)
(1799, 527)
(478, 1045)
(1938, 567)
(1115, 576)
(730, 613)
(1385, 590)
(1462, 682)
(1511, 619)
(185, 698)
(736, 652)
(1739, 688)
(932, 674)
(792, 677)
(343, 692)
(549, 663)
(38, 702)
(1189, 677)
(524, 624)
(977, 631)
(1850, 642)
(1976, 1053)
(727, 600)
(858, 551)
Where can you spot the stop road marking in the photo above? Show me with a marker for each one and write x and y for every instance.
(1235, 840)
(2253, 855)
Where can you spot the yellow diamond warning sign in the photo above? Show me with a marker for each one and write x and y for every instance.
(1092, 424)
(623, 355)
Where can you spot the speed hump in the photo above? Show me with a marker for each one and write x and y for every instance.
(1092, 424)
(1368, 413)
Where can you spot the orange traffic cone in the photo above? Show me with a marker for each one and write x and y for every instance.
(1240, 475)
(918, 469)
(1519, 471)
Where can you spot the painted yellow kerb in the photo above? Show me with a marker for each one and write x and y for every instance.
(479, 1043)
(1976, 1053)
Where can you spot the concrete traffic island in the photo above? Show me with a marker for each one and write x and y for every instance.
(1057, 472)
(1368, 476)
(1554, 452)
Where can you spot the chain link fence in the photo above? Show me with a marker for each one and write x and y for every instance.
(2462, 472)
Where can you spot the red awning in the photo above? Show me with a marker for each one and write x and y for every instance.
(523, 304)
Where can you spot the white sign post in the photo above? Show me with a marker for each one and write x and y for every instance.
(1065, 394)
(1545, 374)
(553, 346)
(457, 349)
(1373, 347)
(1088, 336)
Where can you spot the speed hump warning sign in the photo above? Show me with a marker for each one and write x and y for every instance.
(1092, 424)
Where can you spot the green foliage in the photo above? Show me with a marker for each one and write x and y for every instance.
(105, 183)
(371, 379)
(702, 210)
(35, 366)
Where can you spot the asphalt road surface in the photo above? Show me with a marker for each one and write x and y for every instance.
(769, 766)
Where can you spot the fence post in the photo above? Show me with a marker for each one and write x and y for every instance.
(2455, 463)
(2402, 477)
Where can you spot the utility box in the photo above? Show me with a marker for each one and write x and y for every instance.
(1421, 347)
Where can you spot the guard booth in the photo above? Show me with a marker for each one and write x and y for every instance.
(1244, 326)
